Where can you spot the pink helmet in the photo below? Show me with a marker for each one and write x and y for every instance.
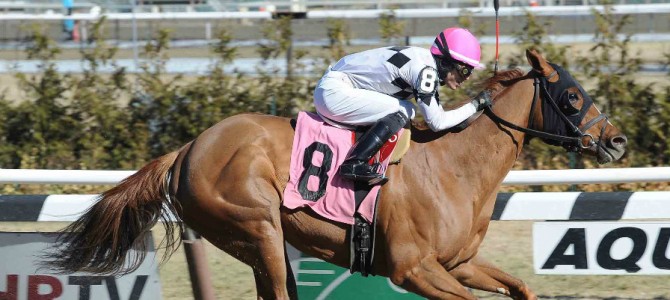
(460, 44)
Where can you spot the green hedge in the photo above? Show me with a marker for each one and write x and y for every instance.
(75, 121)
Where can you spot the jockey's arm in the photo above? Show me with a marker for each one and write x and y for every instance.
(435, 116)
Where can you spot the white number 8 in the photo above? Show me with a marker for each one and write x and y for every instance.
(427, 80)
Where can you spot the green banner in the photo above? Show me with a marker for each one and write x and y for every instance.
(317, 279)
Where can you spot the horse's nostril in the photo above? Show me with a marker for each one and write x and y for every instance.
(619, 141)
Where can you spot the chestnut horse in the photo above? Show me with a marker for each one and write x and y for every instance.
(228, 183)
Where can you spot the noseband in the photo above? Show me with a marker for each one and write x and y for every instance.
(573, 140)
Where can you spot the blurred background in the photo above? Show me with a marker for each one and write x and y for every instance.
(111, 84)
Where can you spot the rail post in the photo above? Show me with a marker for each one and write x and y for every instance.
(201, 279)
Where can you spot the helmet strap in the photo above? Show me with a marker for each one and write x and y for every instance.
(444, 65)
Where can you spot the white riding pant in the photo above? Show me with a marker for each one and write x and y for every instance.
(335, 98)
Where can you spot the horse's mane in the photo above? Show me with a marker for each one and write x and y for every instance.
(502, 80)
(495, 85)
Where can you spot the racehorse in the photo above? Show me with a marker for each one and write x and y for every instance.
(433, 214)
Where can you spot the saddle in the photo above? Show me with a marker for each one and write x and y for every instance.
(318, 150)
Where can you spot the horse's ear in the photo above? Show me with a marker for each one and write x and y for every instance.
(540, 64)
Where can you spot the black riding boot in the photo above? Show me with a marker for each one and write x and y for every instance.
(356, 166)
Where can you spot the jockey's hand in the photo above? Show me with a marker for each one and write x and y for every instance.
(482, 100)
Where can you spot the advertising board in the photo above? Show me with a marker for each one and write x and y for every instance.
(601, 248)
(319, 280)
(21, 277)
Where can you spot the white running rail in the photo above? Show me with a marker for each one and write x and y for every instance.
(515, 177)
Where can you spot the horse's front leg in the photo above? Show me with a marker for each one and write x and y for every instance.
(428, 278)
(482, 275)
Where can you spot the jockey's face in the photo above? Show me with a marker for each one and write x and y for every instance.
(453, 80)
(457, 75)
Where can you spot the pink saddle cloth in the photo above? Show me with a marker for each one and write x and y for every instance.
(318, 150)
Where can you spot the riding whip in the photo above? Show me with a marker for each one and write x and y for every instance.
(496, 5)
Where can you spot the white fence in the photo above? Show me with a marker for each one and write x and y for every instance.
(526, 206)
(515, 177)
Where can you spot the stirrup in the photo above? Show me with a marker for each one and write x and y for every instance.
(361, 171)
(378, 181)
(382, 179)
(361, 177)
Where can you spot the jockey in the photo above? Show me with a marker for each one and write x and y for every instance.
(371, 88)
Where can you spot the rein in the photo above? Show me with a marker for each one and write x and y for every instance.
(571, 143)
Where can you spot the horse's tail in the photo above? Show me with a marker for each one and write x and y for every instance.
(98, 242)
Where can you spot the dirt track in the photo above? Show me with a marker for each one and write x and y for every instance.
(508, 244)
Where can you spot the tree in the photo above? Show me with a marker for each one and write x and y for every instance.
(534, 35)
(611, 65)
(157, 98)
(41, 128)
(106, 138)
(338, 36)
(289, 94)
(389, 27)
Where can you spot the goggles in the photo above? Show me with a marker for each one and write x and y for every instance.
(464, 70)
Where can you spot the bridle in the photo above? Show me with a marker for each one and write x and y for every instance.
(573, 140)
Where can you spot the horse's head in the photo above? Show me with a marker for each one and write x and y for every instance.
(567, 110)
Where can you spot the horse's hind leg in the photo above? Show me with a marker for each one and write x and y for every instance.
(260, 245)
(273, 275)
(251, 233)
(482, 275)
(262, 286)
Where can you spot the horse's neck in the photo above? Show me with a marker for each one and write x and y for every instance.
(485, 152)
(513, 105)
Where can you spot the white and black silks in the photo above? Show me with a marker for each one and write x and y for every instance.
(426, 86)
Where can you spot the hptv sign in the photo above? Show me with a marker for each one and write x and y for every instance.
(22, 279)
(46, 287)
(601, 248)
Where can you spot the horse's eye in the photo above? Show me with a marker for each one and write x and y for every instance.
(572, 97)
(570, 107)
